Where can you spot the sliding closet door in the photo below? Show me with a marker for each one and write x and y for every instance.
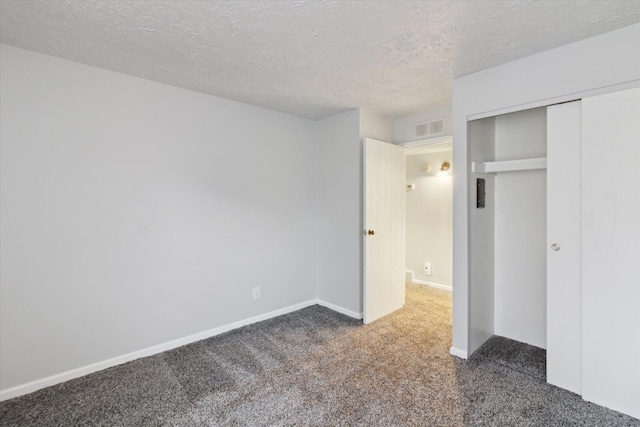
(611, 250)
(564, 313)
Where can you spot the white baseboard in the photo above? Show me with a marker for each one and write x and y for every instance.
(339, 309)
(432, 284)
(408, 276)
(458, 353)
(32, 386)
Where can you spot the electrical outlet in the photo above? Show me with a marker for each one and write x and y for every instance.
(256, 293)
(427, 268)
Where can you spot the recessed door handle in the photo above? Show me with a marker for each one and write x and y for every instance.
(555, 247)
(371, 232)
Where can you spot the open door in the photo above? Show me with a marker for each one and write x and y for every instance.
(384, 229)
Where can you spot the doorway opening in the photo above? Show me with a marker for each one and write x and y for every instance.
(429, 213)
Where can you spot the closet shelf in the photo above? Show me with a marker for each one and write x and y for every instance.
(509, 165)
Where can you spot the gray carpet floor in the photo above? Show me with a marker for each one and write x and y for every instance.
(316, 367)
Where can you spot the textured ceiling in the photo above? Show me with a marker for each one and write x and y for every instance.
(308, 58)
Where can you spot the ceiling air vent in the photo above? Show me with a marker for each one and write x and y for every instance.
(430, 128)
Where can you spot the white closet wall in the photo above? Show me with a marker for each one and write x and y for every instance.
(520, 229)
(508, 235)
(481, 228)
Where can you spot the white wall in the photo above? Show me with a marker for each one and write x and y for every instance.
(521, 230)
(375, 126)
(338, 271)
(428, 223)
(590, 66)
(135, 213)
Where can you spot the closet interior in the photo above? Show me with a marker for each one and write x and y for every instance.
(553, 240)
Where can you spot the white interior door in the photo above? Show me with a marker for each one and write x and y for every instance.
(564, 294)
(384, 234)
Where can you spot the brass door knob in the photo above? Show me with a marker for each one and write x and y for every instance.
(371, 232)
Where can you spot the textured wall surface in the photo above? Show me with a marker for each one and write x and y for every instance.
(311, 59)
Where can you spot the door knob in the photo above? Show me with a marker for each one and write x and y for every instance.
(555, 247)
(371, 232)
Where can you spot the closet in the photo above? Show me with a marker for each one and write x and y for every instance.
(555, 246)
